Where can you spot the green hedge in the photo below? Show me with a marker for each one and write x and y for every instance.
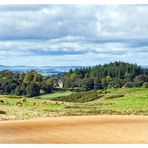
(80, 97)
(114, 96)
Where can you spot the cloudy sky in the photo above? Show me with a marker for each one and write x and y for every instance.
(57, 35)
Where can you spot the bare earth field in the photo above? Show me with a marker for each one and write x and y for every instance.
(77, 129)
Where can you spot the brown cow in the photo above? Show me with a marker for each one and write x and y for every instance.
(24, 100)
(19, 103)
(2, 112)
(34, 103)
(44, 102)
(2, 101)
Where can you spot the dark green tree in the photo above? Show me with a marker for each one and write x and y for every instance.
(128, 84)
(32, 90)
(87, 84)
(97, 84)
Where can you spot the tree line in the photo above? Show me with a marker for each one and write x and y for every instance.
(28, 84)
(112, 75)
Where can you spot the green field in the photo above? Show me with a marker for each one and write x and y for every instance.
(56, 94)
(132, 101)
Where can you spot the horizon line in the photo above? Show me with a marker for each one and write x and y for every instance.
(71, 65)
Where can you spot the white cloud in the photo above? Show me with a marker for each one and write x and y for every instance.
(59, 33)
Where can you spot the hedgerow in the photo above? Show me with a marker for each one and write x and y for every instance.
(80, 97)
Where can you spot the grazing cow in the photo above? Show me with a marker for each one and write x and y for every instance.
(19, 103)
(2, 112)
(2, 101)
(57, 103)
(24, 100)
(34, 103)
(44, 102)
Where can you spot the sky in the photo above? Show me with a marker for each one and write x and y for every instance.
(73, 35)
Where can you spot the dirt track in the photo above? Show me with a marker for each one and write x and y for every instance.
(82, 129)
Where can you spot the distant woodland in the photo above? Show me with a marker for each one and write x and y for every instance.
(112, 75)
(27, 84)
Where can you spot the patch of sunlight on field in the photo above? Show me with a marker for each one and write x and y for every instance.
(134, 98)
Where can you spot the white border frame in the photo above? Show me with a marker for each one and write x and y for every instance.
(73, 1)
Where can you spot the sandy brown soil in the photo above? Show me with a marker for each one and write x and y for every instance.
(82, 129)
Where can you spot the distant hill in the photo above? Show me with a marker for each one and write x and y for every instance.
(45, 70)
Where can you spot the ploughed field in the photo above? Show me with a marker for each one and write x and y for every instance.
(123, 101)
(77, 129)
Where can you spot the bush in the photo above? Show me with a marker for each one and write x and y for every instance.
(115, 83)
(128, 84)
(137, 84)
(80, 97)
(145, 85)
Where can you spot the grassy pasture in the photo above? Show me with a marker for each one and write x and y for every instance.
(124, 101)
(56, 94)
